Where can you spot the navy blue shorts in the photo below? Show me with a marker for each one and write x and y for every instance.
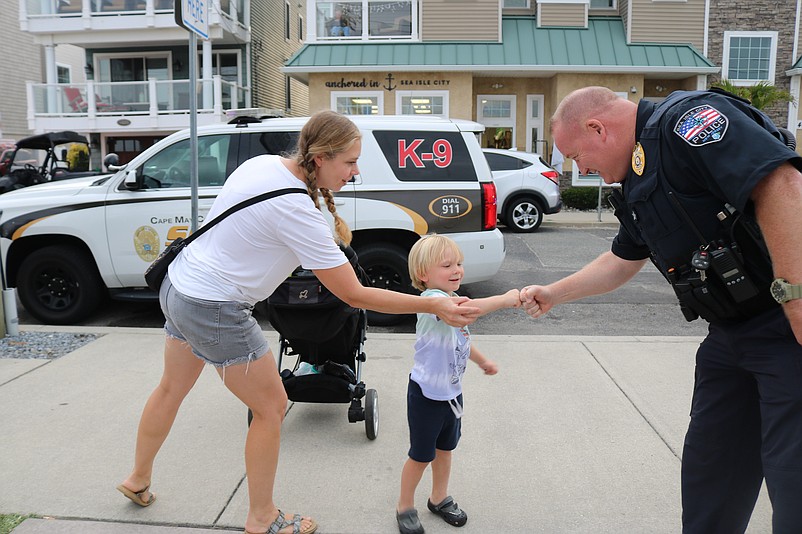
(432, 425)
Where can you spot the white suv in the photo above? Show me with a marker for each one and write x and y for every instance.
(65, 245)
(527, 188)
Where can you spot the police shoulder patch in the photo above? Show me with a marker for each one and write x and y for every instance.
(702, 125)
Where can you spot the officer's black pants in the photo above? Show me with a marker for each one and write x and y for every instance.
(746, 424)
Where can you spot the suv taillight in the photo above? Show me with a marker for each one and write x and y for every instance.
(554, 176)
(489, 206)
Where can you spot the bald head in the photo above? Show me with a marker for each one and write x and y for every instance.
(583, 103)
(596, 128)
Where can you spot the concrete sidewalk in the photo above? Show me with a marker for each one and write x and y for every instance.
(573, 435)
(574, 218)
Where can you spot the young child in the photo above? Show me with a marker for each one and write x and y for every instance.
(434, 394)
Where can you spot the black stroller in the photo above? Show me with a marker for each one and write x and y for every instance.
(328, 336)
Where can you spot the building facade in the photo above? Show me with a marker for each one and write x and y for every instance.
(137, 63)
(508, 63)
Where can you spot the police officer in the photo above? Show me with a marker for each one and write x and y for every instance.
(712, 195)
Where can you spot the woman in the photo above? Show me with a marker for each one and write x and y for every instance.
(211, 288)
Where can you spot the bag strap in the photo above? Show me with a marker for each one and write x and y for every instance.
(241, 205)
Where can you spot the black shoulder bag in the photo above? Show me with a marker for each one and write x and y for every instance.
(155, 273)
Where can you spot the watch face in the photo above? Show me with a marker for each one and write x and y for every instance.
(778, 291)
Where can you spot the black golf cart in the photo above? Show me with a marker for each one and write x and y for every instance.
(47, 157)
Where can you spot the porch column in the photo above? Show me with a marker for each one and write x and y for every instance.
(51, 78)
(208, 96)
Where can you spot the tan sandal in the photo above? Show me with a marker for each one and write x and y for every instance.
(136, 496)
(280, 523)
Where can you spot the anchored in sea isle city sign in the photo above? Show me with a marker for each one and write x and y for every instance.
(389, 83)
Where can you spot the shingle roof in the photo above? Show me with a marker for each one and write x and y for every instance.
(602, 47)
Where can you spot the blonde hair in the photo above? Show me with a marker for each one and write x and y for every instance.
(327, 134)
(426, 253)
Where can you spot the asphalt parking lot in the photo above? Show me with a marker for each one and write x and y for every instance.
(645, 306)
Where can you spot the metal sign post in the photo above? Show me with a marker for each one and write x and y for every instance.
(193, 16)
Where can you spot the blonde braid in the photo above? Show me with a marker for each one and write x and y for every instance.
(340, 226)
(307, 164)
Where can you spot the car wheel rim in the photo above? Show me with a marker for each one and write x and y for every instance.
(54, 290)
(384, 277)
(525, 215)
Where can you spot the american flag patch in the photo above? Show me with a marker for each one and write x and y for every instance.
(702, 125)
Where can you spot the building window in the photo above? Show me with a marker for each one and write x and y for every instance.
(287, 95)
(366, 19)
(749, 57)
(516, 3)
(495, 108)
(390, 19)
(300, 28)
(356, 103)
(422, 103)
(287, 20)
(63, 74)
(602, 4)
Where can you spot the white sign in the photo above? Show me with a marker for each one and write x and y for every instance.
(193, 15)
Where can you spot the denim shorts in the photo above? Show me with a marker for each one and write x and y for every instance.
(432, 425)
(220, 333)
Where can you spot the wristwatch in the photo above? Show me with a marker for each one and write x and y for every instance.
(782, 291)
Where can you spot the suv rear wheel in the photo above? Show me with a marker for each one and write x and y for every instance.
(59, 285)
(524, 215)
(386, 266)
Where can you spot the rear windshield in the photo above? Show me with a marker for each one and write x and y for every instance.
(427, 156)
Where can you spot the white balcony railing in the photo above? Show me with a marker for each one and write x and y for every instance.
(153, 97)
(130, 106)
(232, 9)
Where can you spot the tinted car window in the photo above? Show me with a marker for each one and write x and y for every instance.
(500, 162)
(170, 167)
(427, 156)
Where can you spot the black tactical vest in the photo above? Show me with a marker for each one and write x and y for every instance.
(672, 234)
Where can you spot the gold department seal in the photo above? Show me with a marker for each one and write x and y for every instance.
(146, 243)
(638, 159)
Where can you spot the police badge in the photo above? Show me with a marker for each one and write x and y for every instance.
(638, 159)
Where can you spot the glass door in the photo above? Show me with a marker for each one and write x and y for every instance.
(535, 136)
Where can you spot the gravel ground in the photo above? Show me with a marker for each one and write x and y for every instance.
(47, 345)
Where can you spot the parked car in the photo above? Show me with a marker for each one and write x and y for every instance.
(527, 188)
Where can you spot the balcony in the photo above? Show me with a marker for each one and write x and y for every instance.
(90, 18)
(117, 107)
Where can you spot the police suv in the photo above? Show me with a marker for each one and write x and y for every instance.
(66, 245)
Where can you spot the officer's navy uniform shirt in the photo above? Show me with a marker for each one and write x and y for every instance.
(705, 167)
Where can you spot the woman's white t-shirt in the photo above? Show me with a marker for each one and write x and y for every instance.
(247, 255)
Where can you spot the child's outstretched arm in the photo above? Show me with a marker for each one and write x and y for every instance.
(510, 299)
(487, 365)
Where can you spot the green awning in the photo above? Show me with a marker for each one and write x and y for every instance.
(601, 47)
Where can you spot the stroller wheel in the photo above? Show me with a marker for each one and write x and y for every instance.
(372, 413)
